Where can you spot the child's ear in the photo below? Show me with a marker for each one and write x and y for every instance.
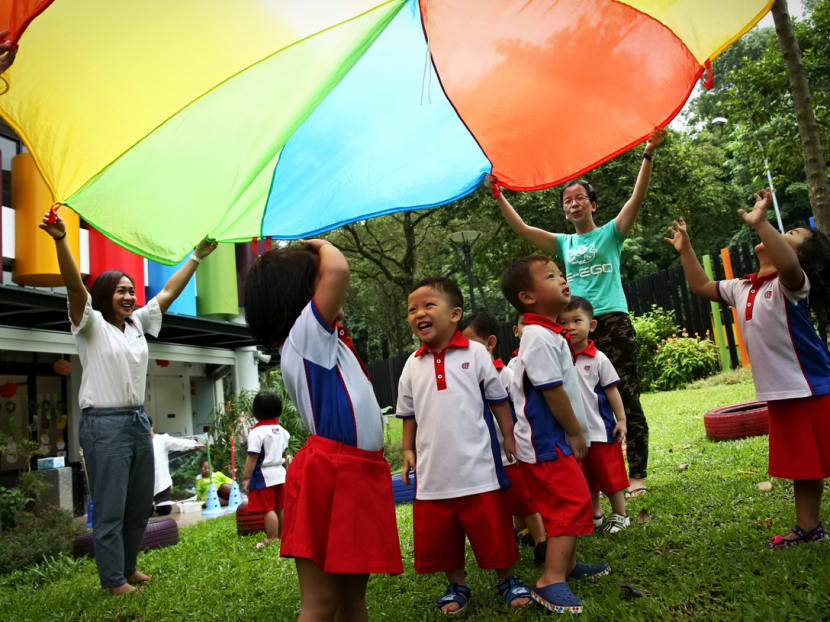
(526, 298)
(492, 342)
(592, 326)
(456, 313)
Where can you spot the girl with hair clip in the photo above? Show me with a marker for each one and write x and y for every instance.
(790, 363)
(114, 431)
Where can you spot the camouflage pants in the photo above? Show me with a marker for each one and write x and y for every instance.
(615, 337)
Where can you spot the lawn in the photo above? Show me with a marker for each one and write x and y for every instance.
(700, 554)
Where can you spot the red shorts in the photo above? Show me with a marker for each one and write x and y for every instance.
(799, 437)
(265, 499)
(604, 467)
(561, 495)
(517, 496)
(440, 525)
(339, 509)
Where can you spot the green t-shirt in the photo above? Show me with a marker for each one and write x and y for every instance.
(592, 266)
(203, 484)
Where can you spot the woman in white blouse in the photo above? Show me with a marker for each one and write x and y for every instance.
(114, 430)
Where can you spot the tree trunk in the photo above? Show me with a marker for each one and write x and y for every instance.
(818, 187)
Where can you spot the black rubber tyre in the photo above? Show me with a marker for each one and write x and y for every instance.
(737, 421)
(159, 533)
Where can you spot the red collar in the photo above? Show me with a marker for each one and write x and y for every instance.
(589, 350)
(541, 320)
(273, 421)
(458, 341)
(499, 364)
(515, 353)
(757, 281)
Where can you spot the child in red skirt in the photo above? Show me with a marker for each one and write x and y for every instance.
(339, 511)
(604, 465)
(483, 327)
(265, 466)
(790, 363)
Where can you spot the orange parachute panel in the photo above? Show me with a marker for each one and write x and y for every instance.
(616, 72)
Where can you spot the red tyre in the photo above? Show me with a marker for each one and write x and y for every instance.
(248, 522)
(737, 421)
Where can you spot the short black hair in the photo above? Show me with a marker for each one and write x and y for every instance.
(586, 185)
(267, 405)
(520, 315)
(578, 302)
(103, 289)
(446, 286)
(516, 278)
(277, 288)
(483, 324)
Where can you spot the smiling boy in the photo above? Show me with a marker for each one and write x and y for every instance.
(551, 429)
(445, 395)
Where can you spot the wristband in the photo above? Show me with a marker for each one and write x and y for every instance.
(496, 189)
(61, 237)
(647, 156)
(195, 258)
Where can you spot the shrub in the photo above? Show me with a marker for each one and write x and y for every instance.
(12, 503)
(37, 537)
(681, 360)
(653, 328)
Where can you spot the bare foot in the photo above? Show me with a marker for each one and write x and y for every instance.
(124, 588)
(139, 577)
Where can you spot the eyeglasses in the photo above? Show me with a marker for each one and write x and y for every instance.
(580, 198)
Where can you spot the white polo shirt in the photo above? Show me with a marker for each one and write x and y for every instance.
(325, 379)
(456, 447)
(788, 358)
(596, 373)
(163, 444)
(544, 361)
(114, 363)
(269, 440)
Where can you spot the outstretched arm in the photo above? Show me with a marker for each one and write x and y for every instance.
(75, 291)
(628, 214)
(698, 280)
(334, 278)
(538, 237)
(176, 283)
(780, 253)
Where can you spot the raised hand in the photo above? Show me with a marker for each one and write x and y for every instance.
(55, 229)
(205, 248)
(758, 214)
(680, 238)
(654, 140)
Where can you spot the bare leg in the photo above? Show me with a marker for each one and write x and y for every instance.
(808, 502)
(560, 560)
(456, 575)
(319, 593)
(537, 527)
(617, 500)
(272, 525)
(224, 493)
(596, 503)
(506, 573)
(352, 606)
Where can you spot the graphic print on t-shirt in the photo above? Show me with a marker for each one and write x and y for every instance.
(582, 254)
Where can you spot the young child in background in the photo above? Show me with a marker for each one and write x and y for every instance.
(449, 438)
(264, 474)
(163, 444)
(483, 328)
(604, 464)
(550, 440)
(339, 518)
(790, 363)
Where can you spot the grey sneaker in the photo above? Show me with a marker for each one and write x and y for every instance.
(617, 522)
(599, 521)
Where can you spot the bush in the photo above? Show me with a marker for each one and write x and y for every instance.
(680, 360)
(12, 503)
(653, 328)
(37, 537)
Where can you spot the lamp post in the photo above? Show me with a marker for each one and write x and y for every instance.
(465, 240)
(722, 120)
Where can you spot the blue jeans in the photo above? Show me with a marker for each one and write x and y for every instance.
(118, 451)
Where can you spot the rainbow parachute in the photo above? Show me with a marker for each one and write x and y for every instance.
(164, 120)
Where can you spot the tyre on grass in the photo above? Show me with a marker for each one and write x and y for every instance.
(737, 421)
(159, 533)
(248, 522)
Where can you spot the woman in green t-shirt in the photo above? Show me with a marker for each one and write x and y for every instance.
(592, 266)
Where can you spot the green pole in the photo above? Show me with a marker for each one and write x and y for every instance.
(717, 325)
(210, 464)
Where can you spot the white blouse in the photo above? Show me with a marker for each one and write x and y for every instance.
(114, 362)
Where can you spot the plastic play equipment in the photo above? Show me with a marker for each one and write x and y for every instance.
(737, 421)
(343, 111)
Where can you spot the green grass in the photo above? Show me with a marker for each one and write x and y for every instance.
(700, 556)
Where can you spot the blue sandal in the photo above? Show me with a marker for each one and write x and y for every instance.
(588, 571)
(557, 597)
(458, 594)
(512, 588)
(801, 536)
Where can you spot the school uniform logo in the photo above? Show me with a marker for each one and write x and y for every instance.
(587, 368)
(768, 294)
(465, 365)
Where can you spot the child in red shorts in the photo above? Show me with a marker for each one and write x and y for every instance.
(448, 397)
(550, 440)
(483, 327)
(339, 509)
(604, 464)
(265, 466)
